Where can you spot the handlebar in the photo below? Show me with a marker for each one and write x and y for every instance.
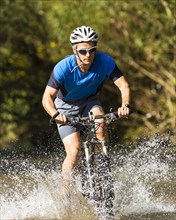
(110, 117)
(91, 118)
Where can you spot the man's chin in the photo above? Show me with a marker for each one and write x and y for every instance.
(87, 62)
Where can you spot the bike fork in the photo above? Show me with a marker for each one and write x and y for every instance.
(104, 147)
(89, 159)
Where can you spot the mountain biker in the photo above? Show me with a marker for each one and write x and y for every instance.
(73, 89)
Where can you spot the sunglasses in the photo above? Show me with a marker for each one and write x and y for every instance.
(85, 51)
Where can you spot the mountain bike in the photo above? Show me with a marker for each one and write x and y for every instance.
(96, 175)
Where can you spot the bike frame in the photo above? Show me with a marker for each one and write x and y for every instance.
(89, 145)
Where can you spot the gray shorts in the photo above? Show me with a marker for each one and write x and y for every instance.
(75, 108)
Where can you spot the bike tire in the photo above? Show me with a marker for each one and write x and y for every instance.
(102, 194)
(103, 184)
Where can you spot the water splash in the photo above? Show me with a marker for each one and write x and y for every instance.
(144, 181)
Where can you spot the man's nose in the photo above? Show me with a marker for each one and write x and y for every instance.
(88, 54)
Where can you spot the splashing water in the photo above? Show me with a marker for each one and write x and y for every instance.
(144, 182)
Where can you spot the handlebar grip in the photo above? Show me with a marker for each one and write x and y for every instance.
(132, 110)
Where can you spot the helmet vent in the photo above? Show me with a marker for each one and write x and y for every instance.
(83, 34)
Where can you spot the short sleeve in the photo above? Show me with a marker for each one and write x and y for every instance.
(52, 82)
(116, 73)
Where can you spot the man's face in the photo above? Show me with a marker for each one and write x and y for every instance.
(86, 56)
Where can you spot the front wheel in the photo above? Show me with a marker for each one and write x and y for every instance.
(97, 183)
(104, 190)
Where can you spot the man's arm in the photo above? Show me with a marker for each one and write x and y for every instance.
(48, 100)
(48, 104)
(123, 86)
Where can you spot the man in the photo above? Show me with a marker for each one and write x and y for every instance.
(73, 89)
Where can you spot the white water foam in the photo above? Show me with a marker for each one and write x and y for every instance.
(36, 194)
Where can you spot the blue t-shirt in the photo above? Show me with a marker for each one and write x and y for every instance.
(75, 85)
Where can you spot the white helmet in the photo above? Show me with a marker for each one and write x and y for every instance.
(83, 34)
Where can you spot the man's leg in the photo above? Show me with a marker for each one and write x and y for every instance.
(72, 148)
(101, 132)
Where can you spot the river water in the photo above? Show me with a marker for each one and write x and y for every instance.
(144, 179)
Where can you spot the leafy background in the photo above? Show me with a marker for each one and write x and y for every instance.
(34, 36)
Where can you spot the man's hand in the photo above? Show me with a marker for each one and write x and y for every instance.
(123, 111)
(61, 119)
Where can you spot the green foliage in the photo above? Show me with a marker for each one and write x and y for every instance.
(34, 35)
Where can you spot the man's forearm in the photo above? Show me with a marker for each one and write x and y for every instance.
(123, 86)
(125, 95)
